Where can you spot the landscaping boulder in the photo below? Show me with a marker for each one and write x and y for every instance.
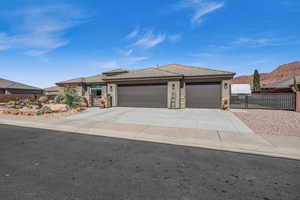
(44, 110)
(43, 99)
(83, 102)
(27, 111)
(58, 107)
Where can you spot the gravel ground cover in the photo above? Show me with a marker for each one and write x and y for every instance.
(272, 122)
(48, 117)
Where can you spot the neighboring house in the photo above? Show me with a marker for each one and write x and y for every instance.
(240, 89)
(168, 86)
(11, 87)
(281, 86)
(54, 91)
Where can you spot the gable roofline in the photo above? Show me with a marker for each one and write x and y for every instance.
(8, 84)
(158, 72)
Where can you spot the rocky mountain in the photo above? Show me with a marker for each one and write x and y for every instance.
(283, 72)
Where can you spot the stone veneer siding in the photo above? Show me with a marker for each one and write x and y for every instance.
(225, 94)
(174, 94)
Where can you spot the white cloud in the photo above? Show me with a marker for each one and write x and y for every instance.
(127, 52)
(133, 34)
(200, 7)
(133, 60)
(150, 40)
(105, 64)
(4, 47)
(252, 42)
(35, 52)
(41, 29)
(174, 38)
(117, 63)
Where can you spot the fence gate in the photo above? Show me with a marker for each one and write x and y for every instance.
(275, 101)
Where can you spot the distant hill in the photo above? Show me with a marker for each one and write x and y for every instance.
(283, 72)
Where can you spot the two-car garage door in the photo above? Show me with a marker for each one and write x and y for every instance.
(143, 95)
(203, 95)
(198, 95)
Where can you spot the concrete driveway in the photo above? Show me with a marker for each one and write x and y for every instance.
(204, 119)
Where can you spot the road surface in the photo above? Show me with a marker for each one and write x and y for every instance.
(38, 164)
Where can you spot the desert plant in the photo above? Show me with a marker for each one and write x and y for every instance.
(256, 81)
(58, 99)
(72, 99)
(295, 85)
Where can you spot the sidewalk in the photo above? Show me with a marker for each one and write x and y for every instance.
(279, 146)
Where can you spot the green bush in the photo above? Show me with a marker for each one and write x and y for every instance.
(72, 99)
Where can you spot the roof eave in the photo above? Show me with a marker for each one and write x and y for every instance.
(211, 76)
(144, 78)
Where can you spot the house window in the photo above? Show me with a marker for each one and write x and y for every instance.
(96, 91)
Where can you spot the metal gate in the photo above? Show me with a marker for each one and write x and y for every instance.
(275, 101)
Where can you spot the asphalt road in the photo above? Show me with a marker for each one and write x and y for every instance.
(38, 164)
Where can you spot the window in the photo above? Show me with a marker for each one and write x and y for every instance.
(96, 91)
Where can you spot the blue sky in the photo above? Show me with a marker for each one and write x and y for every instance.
(46, 41)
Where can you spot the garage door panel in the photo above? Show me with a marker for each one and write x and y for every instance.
(203, 95)
(149, 96)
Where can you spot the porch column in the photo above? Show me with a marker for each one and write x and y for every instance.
(225, 94)
(174, 94)
(112, 91)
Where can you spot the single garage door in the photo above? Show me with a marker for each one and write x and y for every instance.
(147, 96)
(203, 95)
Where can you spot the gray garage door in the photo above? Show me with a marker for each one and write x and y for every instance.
(147, 96)
(203, 95)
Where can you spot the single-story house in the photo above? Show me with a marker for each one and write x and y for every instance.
(168, 86)
(54, 91)
(12, 87)
(281, 86)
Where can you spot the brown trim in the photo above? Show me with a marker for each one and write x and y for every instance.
(222, 77)
(144, 79)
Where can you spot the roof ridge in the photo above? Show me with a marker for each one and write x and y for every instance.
(194, 67)
(157, 68)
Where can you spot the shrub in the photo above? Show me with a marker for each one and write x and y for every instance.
(72, 99)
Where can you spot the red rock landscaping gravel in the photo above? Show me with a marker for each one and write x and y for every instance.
(272, 122)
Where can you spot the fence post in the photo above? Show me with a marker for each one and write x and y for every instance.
(298, 101)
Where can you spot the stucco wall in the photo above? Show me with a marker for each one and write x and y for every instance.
(298, 102)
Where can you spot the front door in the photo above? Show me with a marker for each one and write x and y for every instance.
(96, 92)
